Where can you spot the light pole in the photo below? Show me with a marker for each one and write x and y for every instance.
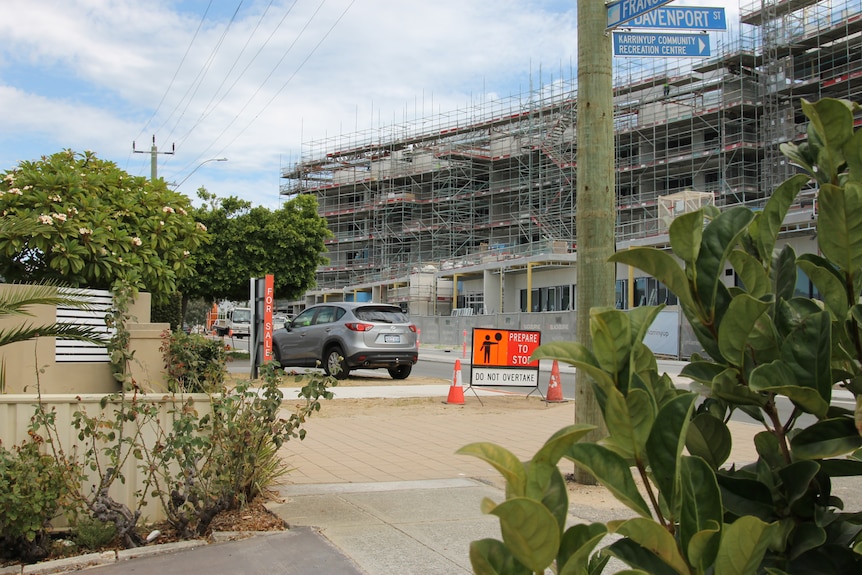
(197, 168)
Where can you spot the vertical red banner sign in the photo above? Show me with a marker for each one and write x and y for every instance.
(268, 309)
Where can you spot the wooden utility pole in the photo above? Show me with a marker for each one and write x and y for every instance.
(595, 195)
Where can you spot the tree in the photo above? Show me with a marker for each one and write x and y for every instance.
(251, 241)
(82, 221)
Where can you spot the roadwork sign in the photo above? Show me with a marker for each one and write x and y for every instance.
(501, 358)
(661, 45)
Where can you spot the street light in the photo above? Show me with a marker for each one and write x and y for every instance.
(198, 167)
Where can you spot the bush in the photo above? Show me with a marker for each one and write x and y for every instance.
(32, 490)
(94, 534)
(213, 463)
(169, 311)
(194, 363)
(777, 515)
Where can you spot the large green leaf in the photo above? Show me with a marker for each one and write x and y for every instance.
(832, 121)
(576, 546)
(750, 272)
(490, 557)
(702, 371)
(642, 559)
(574, 354)
(557, 445)
(807, 351)
(529, 531)
(709, 438)
(545, 483)
(700, 509)
(853, 156)
(612, 471)
(503, 460)
(641, 318)
(796, 479)
(727, 386)
(743, 545)
(772, 216)
(660, 265)
(743, 496)
(611, 338)
(685, 235)
(654, 537)
(828, 282)
(839, 225)
(777, 377)
(618, 419)
(665, 444)
(719, 238)
(827, 438)
(736, 325)
(784, 274)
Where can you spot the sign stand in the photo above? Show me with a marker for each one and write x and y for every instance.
(501, 358)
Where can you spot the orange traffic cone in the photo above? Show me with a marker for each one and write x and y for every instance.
(456, 390)
(555, 389)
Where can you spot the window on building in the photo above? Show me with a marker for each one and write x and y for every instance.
(650, 291)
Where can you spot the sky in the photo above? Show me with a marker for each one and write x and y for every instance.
(251, 80)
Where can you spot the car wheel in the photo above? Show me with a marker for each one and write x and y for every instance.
(334, 363)
(400, 372)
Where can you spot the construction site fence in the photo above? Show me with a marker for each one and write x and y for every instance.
(456, 331)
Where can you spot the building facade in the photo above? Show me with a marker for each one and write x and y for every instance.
(473, 212)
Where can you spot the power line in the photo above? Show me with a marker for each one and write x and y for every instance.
(283, 86)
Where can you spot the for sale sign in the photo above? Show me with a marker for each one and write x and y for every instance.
(501, 357)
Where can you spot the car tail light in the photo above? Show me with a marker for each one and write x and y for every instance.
(356, 326)
(412, 328)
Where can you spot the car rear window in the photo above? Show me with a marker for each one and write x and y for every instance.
(380, 314)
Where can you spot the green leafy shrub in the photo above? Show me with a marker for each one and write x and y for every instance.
(32, 491)
(93, 534)
(169, 311)
(221, 461)
(194, 363)
(776, 515)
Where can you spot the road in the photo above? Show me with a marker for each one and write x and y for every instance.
(440, 364)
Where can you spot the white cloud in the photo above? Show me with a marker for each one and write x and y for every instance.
(98, 74)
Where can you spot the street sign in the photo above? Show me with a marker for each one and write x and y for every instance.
(680, 18)
(625, 10)
(661, 45)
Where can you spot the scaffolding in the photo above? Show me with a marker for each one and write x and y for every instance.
(496, 180)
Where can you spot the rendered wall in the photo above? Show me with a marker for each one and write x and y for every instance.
(30, 362)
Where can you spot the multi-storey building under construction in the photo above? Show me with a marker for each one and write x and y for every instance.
(473, 212)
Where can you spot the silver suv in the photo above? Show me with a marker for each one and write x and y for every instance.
(348, 335)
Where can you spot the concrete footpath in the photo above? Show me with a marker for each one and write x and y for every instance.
(375, 495)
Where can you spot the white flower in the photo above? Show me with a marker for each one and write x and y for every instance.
(168, 210)
(56, 198)
(161, 222)
(73, 210)
(186, 253)
(182, 211)
(15, 191)
(86, 232)
(43, 219)
(136, 241)
(201, 227)
(61, 217)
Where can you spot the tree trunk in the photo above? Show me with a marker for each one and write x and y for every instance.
(595, 195)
